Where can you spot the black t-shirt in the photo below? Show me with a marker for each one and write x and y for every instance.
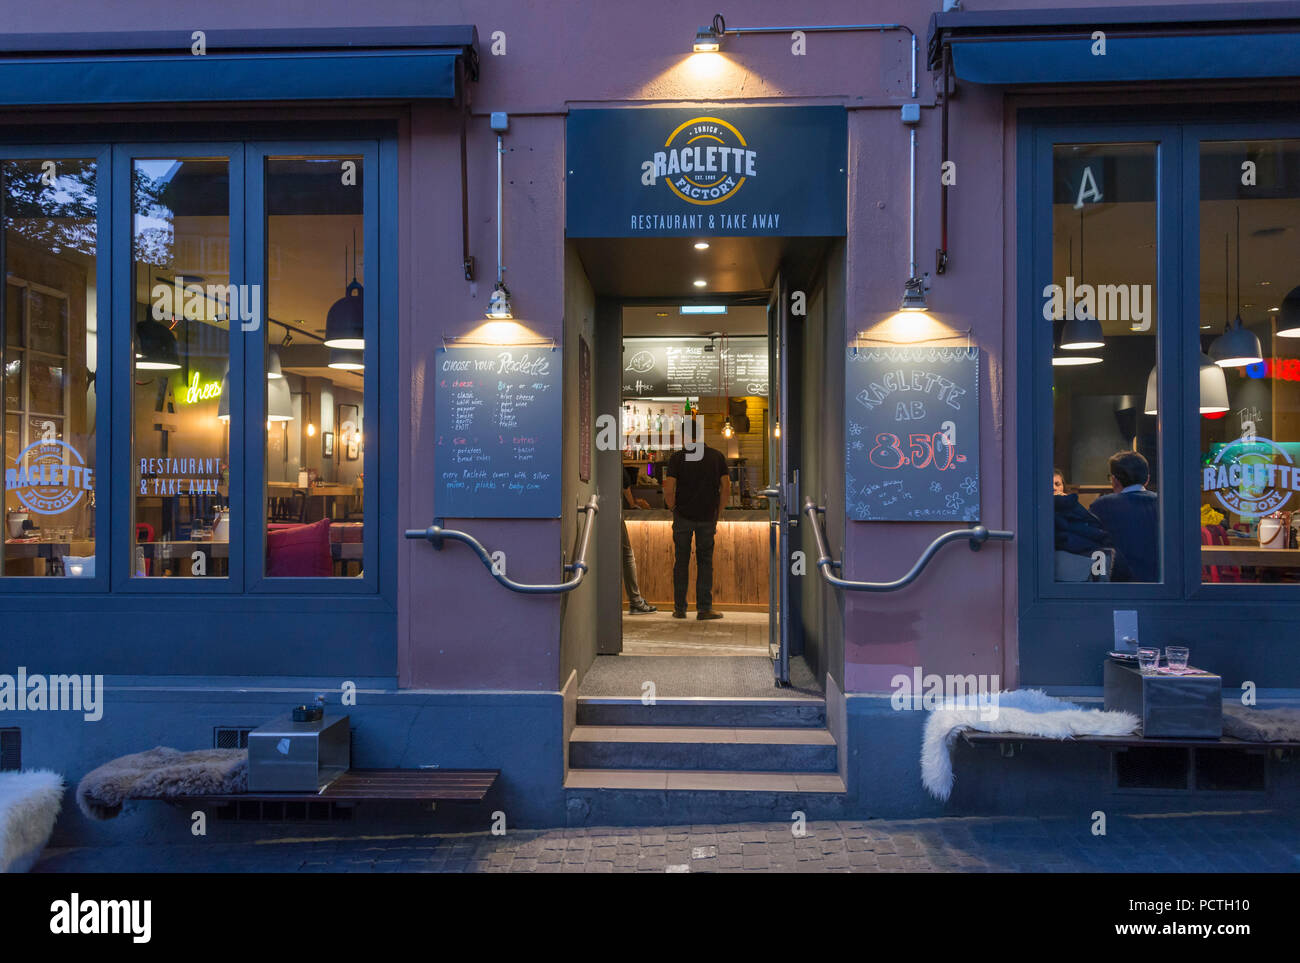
(697, 483)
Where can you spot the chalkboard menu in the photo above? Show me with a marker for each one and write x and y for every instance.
(673, 367)
(912, 434)
(497, 432)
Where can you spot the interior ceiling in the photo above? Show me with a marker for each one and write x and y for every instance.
(667, 267)
(1120, 248)
(651, 320)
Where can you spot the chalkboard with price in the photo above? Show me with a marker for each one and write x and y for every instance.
(497, 426)
(912, 434)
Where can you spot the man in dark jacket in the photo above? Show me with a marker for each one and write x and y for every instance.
(1131, 516)
(695, 490)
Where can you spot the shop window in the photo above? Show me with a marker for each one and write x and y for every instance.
(316, 335)
(1101, 304)
(49, 334)
(180, 424)
(1249, 321)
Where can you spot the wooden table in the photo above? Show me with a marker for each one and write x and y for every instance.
(1250, 555)
(321, 491)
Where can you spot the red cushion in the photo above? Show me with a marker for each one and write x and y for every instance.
(301, 551)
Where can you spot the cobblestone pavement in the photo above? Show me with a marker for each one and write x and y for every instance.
(1263, 841)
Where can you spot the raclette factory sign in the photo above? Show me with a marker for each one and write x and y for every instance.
(704, 171)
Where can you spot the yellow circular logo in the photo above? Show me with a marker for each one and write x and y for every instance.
(705, 161)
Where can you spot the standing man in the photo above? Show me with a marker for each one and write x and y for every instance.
(695, 490)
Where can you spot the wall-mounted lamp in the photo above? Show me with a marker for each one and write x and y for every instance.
(708, 39)
(499, 308)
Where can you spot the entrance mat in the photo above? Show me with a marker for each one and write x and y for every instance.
(695, 676)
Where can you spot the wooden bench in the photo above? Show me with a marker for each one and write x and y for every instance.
(1007, 740)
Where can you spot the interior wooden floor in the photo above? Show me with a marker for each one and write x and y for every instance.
(736, 633)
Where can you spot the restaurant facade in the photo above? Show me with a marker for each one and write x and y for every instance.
(328, 349)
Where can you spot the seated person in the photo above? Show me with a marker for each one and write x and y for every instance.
(1131, 516)
(1078, 531)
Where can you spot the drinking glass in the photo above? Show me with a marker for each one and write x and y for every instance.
(1176, 657)
(1148, 659)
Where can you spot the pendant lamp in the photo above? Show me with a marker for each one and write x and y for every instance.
(1288, 321)
(1213, 389)
(345, 321)
(1084, 331)
(273, 369)
(155, 346)
(345, 360)
(1238, 346)
(279, 403)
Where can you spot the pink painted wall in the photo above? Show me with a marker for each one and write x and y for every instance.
(457, 628)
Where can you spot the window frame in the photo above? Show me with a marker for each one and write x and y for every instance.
(375, 592)
(1178, 136)
(104, 381)
(376, 307)
(123, 566)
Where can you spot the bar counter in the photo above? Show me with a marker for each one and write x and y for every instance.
(740, 558)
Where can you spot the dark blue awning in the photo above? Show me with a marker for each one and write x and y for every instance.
(365, 64)
(1171, 43)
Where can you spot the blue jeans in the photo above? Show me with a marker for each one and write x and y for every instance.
(683, 530)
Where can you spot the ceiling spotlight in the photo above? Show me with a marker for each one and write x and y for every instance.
(700, 283)
(701, 245)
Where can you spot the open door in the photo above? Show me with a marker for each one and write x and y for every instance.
(782, 498)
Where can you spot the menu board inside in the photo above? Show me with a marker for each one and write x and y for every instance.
(497, 432)
(912, 434)
(675, 367)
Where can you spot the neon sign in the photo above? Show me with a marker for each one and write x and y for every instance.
(201, 392)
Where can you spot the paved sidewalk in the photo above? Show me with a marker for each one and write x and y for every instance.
(1261, 841)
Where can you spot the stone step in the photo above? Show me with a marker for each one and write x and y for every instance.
(788, 749)
(641, 797)
(728, 713)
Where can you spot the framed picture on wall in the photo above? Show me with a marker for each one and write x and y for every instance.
(349, 423)
(327, 444)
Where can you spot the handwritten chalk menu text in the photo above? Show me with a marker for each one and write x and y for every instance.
(673, 367)
(912, 435)
(497, 424)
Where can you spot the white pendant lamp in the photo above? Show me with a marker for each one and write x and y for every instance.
(1213, 389)
(279, 403)
(1238, 346)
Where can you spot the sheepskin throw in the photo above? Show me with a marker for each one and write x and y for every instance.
(29, 803)
(1028, 711)
(1261, 725)
(161, 773)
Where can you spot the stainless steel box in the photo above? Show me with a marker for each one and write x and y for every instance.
(1170, 706)
(288, 756)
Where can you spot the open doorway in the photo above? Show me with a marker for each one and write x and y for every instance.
(695, 382)
(690, 365)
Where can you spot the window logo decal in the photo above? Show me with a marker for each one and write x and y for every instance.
(50, 477)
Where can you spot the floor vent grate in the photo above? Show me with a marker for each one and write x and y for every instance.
(230, 737)
(11, 749)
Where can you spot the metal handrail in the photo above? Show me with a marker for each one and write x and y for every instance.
(435, 533)
(977, 535)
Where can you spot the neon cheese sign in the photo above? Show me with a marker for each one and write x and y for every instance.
(201, 392)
